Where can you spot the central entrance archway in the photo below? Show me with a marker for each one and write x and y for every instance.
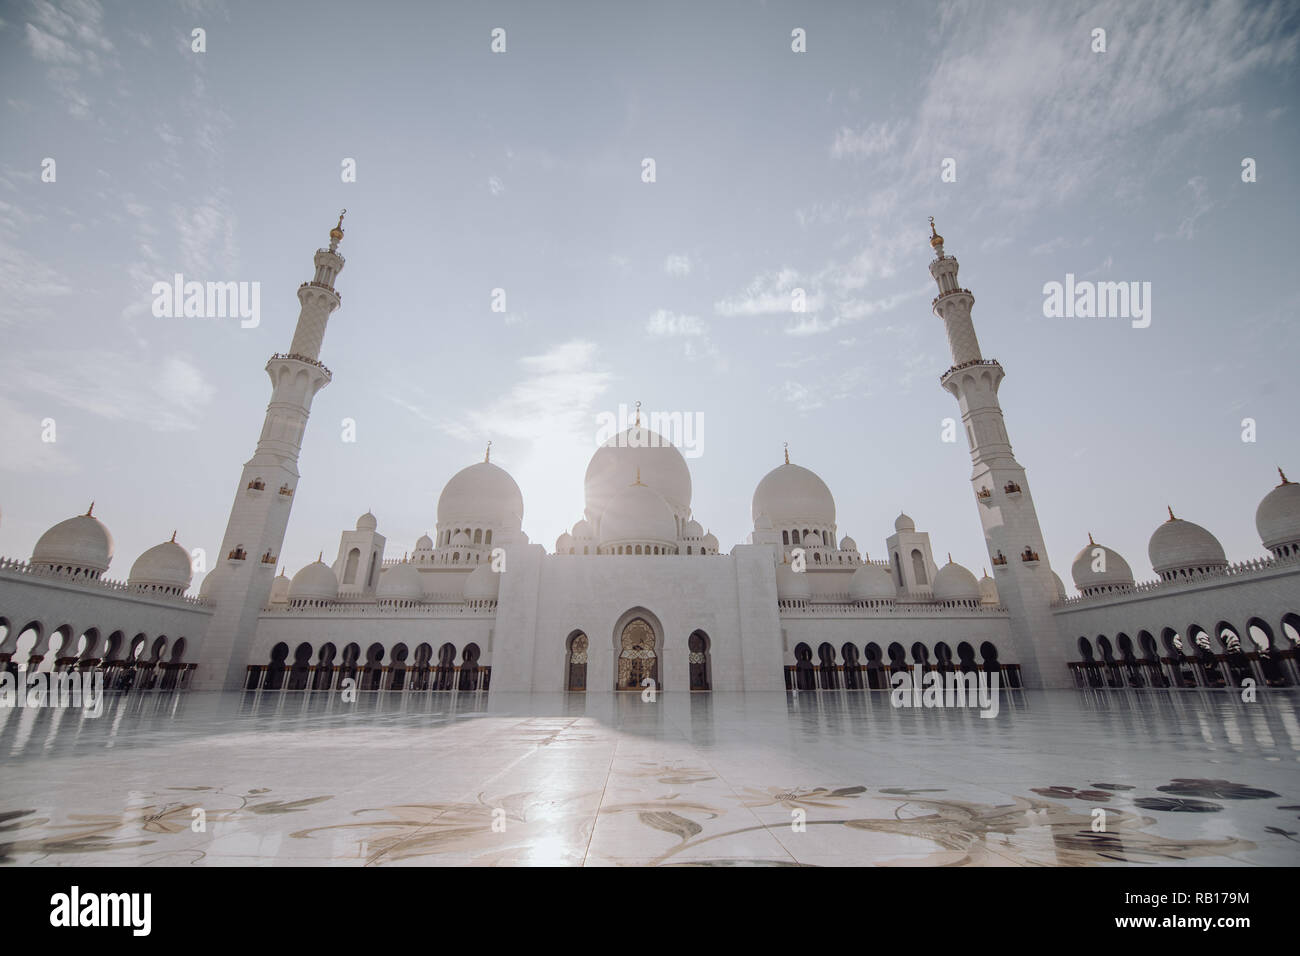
(637, 659)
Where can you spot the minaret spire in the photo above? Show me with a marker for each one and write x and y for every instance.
(1027, 587)
(259, 518)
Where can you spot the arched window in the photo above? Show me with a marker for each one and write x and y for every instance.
(785, 538)
(478, 535)
(918, 566)
(794, 537)
(350, 568)
(487, 538)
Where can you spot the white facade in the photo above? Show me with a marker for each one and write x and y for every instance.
(638, 589)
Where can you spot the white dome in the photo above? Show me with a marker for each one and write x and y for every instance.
(401, 582)
(582, 530)
(904, 523)
(792, 585)
(848, 544)
(367, 522)
(483, 584)
(952, 582)
(80, 542)
(208, 586)
(638, 514)
(482, 493)
(989, 591)
(563, 543)
(1277, 519)
(315, 582)
(1179, 545)
(692, 529)
(165, 565)
(709, 542)
(871, 582)
(1117, 573)
(424, 544)
(1059, 585)
(615, 463)
(793, 493)
(279, 588)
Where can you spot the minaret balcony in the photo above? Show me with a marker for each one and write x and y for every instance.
(323, 285)
(951, 292)
(257, 484)
(984, 494)
(238, 554)
(964, 365)
(1029, 555)
(307, 360)
(1011, 490)
(286, 491)
(999, 560)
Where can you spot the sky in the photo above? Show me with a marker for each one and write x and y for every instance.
(522, 170)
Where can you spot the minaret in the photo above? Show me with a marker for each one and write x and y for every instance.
(250, 550)
(1002, 495)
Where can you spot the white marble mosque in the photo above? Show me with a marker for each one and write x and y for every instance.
(639, 590)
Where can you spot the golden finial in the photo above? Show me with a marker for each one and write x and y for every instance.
(337, 232)
(638, 414)
(320, 558)
(1171, 513)
(638, 477)
(173, 537)
(936, 240)
(487, 455)
(1282, 474)
(950, 557)
(1090, 541)
(787, 452)
(985, 572)
(90, 512)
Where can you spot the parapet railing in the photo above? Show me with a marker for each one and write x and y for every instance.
(1186, 581)
(15, 566)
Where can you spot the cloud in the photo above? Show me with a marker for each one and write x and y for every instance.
(676, 265)
(495, 186)
(166, 395)
(870, 141)
(70, 38)
(24, 450)
(664, 323)
(771, 293)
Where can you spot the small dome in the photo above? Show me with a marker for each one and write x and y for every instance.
(482, 493)
(424, 544)
(1059, 586)
(165, 565)
(792, 585)
(483, 584)
(1277, 519)
(582, 530)
(279, 588)
(793, 493)
(848, 544)
(904, 523)
(211, 582)
(401, 582)
(315, 582)
(692, 529)
(638, 514)
(1112, 570)
(367, 522)
(709, 542)
(460, 539)
(1179, 545)
(871, 582)
(989, 591)
(81, 542)
(563, 543)
(952, 582)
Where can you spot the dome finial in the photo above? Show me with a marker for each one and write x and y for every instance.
(638, 413)
(173, 536)
(1171, 513)
(936, 240)
(1282, 475)
(487, 455)
(787, 452)
(90, 512)
(320, 558)
(950, 557)
(638, 477)
(1090, 541)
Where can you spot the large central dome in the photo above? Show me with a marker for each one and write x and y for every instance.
(617, 463)
(481, 492)
(793, 493)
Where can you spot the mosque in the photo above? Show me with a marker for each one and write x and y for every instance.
(638, 592)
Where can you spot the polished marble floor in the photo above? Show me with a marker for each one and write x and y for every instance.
(825, 779)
